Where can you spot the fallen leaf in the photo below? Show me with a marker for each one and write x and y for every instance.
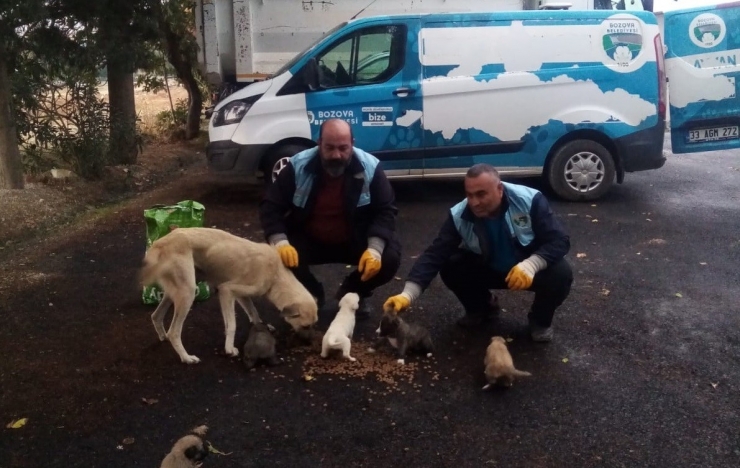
(17, 424)
(581, 255)
(702, 263)
(679, 295)
(509, 340)
(128, 441)
(714, 385)
(348, 266)
(307, 378)
(594, 220)
(398, 278)
(565, 360)
(149, 401)
(213, 449)
(572, 214)
(593, 205)
(605, 292)
(648, 219)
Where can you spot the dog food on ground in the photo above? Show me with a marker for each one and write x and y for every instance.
(381, 366)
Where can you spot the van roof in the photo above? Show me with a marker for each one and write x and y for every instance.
(516, 15)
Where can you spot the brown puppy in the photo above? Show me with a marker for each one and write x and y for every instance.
(260, 345)
(499, 365)
(188, 452)
(402, 336)
(240, 269)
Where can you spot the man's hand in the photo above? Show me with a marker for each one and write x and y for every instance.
(397, 303)
(369, 264)
(522, 274)
(288, 254)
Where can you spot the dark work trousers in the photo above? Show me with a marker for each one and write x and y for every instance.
(470, 278)
(311, 252)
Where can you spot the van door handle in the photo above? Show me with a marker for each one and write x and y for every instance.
(403, 92)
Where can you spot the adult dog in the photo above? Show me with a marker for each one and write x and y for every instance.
(239, 268)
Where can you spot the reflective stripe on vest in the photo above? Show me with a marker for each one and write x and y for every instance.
(304, 179)
(517, 218)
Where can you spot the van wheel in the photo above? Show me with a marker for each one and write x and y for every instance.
(278, 159)
(581, 170)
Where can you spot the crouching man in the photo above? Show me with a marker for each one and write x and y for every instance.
(502, 236)
(334, 204)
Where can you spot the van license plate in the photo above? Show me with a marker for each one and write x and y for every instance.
(713, 134)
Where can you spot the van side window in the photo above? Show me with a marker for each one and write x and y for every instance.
(371, 55)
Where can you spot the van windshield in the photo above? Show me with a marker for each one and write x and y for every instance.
(300, 55)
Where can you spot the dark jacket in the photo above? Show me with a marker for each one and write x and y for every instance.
(280, 215)
(550, 241)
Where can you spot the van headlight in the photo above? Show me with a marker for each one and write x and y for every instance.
(234, 111)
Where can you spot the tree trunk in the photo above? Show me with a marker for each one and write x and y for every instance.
(11, 167)
(184, 68)
(123, 147)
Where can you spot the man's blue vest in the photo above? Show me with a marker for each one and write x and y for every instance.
(517, 217)
(304, 179)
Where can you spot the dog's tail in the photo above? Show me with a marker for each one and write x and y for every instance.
(335, 341)
(151, 266)
(518, 373)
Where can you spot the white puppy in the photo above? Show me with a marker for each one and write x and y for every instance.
(340, 331)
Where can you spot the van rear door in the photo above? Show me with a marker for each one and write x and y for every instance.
(701, 60)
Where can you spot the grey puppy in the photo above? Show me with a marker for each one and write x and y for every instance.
(260, 345)
(188, 451)
(403, 336)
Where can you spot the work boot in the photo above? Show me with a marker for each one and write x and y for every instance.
(478, 319)
(540, 334)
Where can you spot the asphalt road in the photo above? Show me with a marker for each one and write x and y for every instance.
(644, 369)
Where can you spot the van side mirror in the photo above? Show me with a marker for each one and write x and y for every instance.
(311, 74)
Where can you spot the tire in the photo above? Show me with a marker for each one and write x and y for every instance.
(581, 170)
(278, 159)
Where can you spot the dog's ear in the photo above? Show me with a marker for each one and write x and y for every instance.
(196, 452)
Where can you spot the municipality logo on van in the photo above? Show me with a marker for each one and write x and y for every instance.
(707, 30)
(622, 40)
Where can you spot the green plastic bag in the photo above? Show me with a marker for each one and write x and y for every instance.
(160, 220)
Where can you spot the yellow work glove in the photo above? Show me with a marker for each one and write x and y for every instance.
(397, 303)
(522, 274)
(288, 254)
(369, 264)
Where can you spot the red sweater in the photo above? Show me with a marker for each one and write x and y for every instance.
(328, 221)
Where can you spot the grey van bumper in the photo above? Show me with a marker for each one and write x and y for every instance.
(233, 158)
(643, 150)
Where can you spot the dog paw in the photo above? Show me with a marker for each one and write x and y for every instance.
(324, 356)
(351, 358)
(377, 332)
(401, 362)
(163, 337)
(486, 386)
(233, 352)
(190, 359)
(370, 350)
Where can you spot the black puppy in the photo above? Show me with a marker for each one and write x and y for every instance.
(260, 345)
(402, 336)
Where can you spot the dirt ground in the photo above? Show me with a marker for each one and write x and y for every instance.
(46, 204)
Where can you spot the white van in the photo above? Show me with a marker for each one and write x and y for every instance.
(578, 97)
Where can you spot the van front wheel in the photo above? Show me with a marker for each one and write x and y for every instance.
(581, 170)
(278, 159)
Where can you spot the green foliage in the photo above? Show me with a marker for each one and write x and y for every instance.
(171, 125)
